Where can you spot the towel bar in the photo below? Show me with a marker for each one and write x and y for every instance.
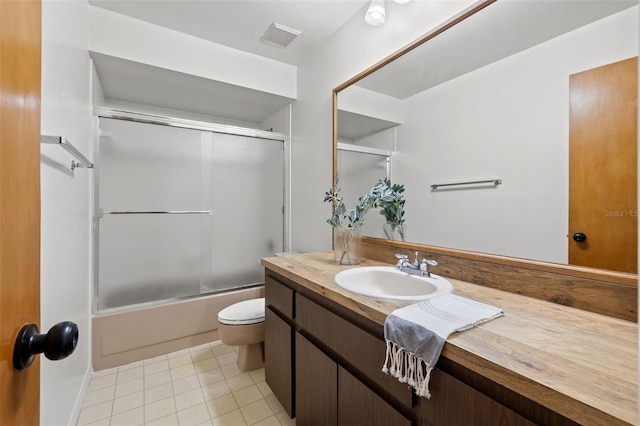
(473, 182)
(63, 142)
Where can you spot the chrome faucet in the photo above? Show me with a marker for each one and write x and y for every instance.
(416, 268)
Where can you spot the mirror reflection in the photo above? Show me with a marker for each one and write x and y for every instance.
(541, 95)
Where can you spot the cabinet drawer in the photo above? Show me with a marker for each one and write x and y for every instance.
(278, 296)
(364, 352)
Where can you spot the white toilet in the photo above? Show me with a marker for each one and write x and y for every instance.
(242, 325)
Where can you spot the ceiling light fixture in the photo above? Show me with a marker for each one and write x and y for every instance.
(375, 13)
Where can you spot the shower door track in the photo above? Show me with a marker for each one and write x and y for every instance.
(187, 124)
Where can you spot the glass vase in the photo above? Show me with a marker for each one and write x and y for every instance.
(395, 231)
(347, 245)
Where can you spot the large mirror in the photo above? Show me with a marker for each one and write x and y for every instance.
(492, 97)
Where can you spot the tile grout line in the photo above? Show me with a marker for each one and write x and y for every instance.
(204, 356)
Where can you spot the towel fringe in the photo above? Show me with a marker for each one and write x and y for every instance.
(407, 368)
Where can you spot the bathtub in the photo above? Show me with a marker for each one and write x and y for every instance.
(120, 338)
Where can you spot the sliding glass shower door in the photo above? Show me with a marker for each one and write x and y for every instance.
(183, 212)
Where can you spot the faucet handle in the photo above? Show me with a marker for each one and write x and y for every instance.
(402, 258)
(424, 266)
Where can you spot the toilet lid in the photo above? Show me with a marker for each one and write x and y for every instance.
(242, 313)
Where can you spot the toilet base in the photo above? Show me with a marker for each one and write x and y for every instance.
(250, 342)
(250, 357)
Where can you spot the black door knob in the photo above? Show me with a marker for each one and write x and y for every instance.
(58, 343)
(579, 237)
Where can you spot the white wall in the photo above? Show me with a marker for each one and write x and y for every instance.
(65, 242)
(150, 44)
(353, 48)
(508, 120)
(366, 102)
(279, 121)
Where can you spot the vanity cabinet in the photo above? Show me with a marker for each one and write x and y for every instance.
(323, 362)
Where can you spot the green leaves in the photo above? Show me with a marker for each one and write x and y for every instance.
(338, 209)
(389, 197)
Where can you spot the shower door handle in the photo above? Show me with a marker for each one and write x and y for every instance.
(58, 343)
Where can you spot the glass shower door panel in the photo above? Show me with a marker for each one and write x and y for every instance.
(148, 258)
(357, 173)
(248, 213)
(147, 167)
(142, 256)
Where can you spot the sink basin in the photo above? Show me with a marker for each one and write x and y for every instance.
(387, 282)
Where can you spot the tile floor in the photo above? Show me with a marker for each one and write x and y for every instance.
(197, 386)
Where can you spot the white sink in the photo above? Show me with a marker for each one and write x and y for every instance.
(387, 282)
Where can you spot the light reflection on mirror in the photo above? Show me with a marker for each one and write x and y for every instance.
(487, 98)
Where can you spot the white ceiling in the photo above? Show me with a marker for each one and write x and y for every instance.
(240, 23)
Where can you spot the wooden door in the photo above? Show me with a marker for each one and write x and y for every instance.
(603, 137)
(20, 33)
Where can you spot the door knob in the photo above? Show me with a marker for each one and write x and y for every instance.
(579, 237)
(58, 343)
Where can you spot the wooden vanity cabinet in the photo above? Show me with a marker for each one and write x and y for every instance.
(323, 363)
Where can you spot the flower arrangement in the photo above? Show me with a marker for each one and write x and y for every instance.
(340, 216)
(389, 197)
(383, 194)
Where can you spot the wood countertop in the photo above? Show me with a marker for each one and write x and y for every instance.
(579, 364)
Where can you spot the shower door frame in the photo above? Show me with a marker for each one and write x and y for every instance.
(103, 112)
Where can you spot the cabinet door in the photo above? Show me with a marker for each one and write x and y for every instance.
(316, 386)
(278, 357)
(454, 403)
(358, 405)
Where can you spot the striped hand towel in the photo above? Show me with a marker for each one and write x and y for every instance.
(416, 334)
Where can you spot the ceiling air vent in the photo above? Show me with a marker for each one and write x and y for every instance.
(279, 35)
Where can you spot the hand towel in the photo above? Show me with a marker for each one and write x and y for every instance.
(416, 334)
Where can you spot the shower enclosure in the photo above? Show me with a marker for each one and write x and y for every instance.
(182, 212)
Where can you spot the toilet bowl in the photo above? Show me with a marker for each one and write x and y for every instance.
(242, 325)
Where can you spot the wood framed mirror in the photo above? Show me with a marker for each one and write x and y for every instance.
(469, 101)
